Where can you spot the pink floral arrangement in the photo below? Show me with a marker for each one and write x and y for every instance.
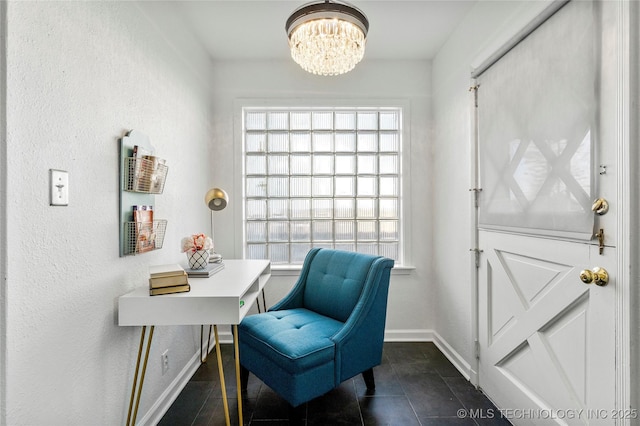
(196, 242)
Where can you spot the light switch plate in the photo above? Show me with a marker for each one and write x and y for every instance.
(58, 187)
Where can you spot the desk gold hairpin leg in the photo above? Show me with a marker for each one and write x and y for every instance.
(225, 403)
(238, 386)
(135, 393)
(204, 359)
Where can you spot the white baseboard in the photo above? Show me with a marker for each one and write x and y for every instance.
(428, 335)
(163, 403)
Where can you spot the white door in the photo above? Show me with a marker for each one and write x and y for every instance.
(547, 143)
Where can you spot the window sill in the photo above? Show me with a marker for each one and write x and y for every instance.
(294, 270)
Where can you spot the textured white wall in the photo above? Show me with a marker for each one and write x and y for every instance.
(79, 75)
(486, 27)
(410, 311)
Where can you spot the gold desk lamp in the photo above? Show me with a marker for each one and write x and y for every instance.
(216, 199)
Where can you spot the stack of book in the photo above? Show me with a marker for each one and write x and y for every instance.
(167, 279)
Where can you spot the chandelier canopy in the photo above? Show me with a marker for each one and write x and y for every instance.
(327, 37)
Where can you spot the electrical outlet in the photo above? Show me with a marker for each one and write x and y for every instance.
(164, 358)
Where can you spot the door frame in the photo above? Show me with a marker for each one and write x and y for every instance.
(627, 19)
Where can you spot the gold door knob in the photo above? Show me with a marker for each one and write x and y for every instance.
(598, 276)
(600, 206)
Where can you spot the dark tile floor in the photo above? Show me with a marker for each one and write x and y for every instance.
(415, 385)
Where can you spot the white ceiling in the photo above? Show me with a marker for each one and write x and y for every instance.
(254, 29)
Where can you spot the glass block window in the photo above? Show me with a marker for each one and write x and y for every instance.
(321, 178)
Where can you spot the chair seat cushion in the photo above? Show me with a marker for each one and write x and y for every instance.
(295, 339)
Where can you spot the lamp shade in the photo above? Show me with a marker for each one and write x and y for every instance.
(216, 199)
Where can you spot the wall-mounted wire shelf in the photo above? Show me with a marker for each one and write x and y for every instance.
(145, 175)
(141, 237)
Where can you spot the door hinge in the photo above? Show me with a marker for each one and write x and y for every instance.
(476, 349)
(476, 195)
(476, 252)
(474, 89)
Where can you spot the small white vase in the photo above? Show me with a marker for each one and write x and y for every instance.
(198, 259)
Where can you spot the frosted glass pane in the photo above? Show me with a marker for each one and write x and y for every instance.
(322, 208)
(256, 251)
(390, 250)
(300, 186)
(366, 209)
(300, 120)
(256, 164)
(256, 209)
(345, 230)
(256, 232)
(278, 121)
(345, 142)
(367, 121)
(278, 142)
(300, 142)
(367, 248)
(367, 230)
(323, 120)
(278, 164)
(345, 164)
(278, 231)
(389, 142)
(299, 252)
(256, 142)
(367, 164)
(300, 165)
(255, 121)
(278, 187)
(322, 245)
(366, 186)
(345, 186)
(322, 187)
(300, 231)
(345, 120)
(322, 164)
(388, 186)
(389, 120)
(345, 246)
(344, 209)
(389, 164)
(279, 253)
(256, 187)
(300, 209)
(278, 209)
(322, 142)
(535, 145)
(389, 208)
(322, 230)
(389, 230)
(367, 142)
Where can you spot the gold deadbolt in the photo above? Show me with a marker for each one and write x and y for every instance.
(598, 276)
(600, 206)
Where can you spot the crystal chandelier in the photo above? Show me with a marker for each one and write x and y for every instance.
(327, 37)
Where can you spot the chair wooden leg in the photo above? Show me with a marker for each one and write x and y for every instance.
(244, 378)
(368, 379)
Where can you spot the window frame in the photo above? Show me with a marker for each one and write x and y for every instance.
(334, 105)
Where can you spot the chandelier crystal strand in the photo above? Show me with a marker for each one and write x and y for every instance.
(327, 37)
(327, 46)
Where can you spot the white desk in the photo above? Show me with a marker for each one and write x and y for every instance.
(224, 298)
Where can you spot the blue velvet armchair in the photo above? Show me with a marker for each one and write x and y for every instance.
(329, 328)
